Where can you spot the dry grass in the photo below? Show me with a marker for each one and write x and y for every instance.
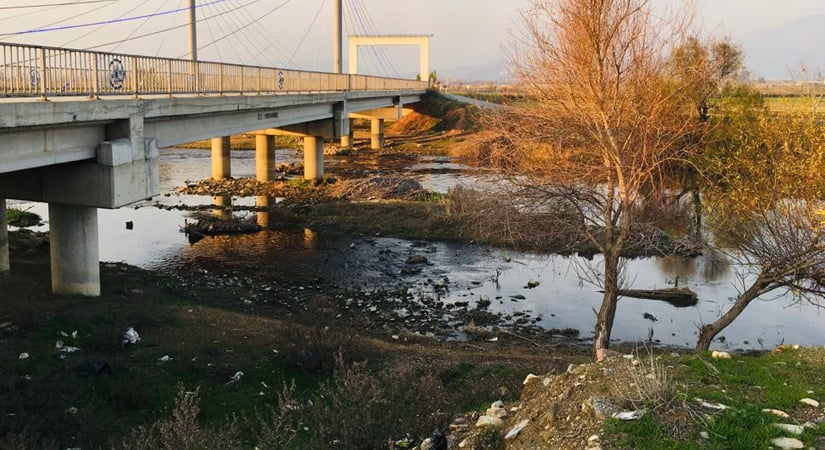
(645, 383)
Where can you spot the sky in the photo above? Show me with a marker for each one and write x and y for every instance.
(468, 34)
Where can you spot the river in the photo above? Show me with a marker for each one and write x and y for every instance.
(560, 300)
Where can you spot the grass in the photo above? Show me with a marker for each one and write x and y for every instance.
(21, 218)
(747, 385)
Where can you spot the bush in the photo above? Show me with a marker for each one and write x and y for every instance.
(359, 409)
(181, 431)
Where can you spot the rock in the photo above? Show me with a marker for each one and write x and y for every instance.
(516, 429)
(776, 413)
(593, 439)
(790, 428)
(720, 355)
(711, 405)
(416, 259)
(787, 443)
(438, 441)
(487, 421)
(23, 355)
(650, 317)
(810, 402)
(426, 444)
(530, 378)
(546, 382)
(600, 407)
(532, 284)
(497, 404)
(496, 412)
(630, 415)
(704, 435)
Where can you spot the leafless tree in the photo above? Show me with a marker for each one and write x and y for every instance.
(609, 121)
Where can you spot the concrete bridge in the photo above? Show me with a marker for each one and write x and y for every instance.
(81, 130)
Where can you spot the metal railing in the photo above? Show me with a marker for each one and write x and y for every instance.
(30, 71)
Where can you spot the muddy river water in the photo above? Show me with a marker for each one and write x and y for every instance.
(470, 272)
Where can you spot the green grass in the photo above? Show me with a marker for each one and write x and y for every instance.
(746, 384)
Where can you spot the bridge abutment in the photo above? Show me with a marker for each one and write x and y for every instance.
(4, 239)
(377, 134)
(221, 158)
(313, 157)
(74, 248)
(264, 157)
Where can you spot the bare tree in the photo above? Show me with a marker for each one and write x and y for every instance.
(609, 118)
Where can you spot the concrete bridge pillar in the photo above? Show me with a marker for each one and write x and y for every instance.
(313, 157)
(377, 134)
(4, 239)
(74, 250)
(223, 207)
(221, 158)
(264, 157)
(347, 138)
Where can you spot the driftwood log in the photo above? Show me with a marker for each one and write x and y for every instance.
(678, 297)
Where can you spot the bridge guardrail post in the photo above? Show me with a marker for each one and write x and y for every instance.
(169, 83)
(220, 79)
(43, 77)
(95, 77)
(134, 76)
(259, 81)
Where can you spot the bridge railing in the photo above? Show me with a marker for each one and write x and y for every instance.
(29, 71)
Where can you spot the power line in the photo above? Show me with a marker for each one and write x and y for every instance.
(48, 5)
(107, 22)
(306, 33)
(167, 29)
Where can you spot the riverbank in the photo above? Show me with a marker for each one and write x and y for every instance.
(256, 353)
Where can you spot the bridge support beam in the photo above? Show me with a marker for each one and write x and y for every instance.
(74, 250)
(221, 158)
(264, 157)
(377, 134)
(4, 239)
(313, 157)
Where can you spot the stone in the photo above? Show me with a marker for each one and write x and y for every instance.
(776, 413)
(496, 412)
(711, 405)
(487, 421)
(427, 444)
(787, 443)
(546, 382)
(790, 428)
(516, 429)
(704, 435)
(530, 378)
(810, 402)
(416, 259)
(600, 407)
(630, 415)
(720, 355)
(23, 355)
(497, 404)
(594, 438)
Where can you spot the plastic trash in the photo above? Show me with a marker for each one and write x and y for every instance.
(130, 336)
(235, 378)
(438, 440)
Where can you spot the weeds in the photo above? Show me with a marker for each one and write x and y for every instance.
(648, 384)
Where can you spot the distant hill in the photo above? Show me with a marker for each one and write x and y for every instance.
(776, 52)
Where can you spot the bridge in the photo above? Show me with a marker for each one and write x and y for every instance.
(80, 130)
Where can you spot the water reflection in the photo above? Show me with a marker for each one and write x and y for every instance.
(262, 210)
(223, 207)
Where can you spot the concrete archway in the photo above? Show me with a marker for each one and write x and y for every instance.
(420, 40)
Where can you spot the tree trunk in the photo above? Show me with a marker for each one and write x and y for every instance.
(697, 214)
(607, 312)
(709, 331)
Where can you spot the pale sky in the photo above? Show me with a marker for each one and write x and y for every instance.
(467, 33)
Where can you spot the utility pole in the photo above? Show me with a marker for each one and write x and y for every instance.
(193, 32)
(337, 27)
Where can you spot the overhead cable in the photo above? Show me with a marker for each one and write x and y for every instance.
(106, 22)
(48, 5)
